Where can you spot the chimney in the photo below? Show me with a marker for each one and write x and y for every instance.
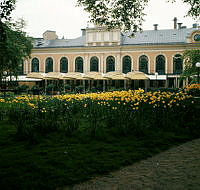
(50, 35)
(155, 26)
(175, 23)
(83, 32)
(179, 25)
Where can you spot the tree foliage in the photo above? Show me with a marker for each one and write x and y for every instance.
(127, 15)
(124, 14)
(6, 7)
(14, 44)
(190, 57)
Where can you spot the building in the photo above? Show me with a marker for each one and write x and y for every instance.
(152, 51)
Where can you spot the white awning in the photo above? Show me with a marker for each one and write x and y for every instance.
(22, 79)
(158, 77)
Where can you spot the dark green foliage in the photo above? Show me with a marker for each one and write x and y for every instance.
(22, 88)
(194, 92)
(79, 89)
(35, 90)
(57, 161)
(50, 87)
(191, 57)
(6, 7)
(125, 14)
(172, 90)
(14, 45)
(67, 87)
(95, 119)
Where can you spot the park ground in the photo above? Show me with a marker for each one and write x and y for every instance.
(175, 169)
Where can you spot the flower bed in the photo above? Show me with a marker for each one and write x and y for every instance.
(193, 89)
(120, 112)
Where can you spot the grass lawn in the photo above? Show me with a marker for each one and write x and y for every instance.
(57, 160)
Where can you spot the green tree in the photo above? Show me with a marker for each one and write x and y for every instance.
(191, 57)
(127, 15)
(15, 46)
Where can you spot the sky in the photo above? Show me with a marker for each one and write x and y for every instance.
(64, 17)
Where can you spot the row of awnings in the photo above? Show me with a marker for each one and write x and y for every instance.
(38, 76)
(89, 76)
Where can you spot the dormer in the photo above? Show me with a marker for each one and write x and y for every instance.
(50, 35)
(100, 36)
(194, 37)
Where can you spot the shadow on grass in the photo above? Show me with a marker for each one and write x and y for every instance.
(59, 160)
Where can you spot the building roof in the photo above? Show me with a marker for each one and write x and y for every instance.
(148, 37)
(60, 43)
(159, 37)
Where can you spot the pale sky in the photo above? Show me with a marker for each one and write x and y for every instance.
(67, 20)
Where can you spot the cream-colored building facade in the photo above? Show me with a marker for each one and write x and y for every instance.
(152, 51)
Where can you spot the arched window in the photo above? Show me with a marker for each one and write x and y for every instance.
(126, 67)
(143, 64)
(94, 64)
(63, 65)
(49, 65)
(160, 64)
(79, 64)
(110, 64)
(35, 65)
(177, 64)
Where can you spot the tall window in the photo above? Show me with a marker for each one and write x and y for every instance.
(79, 64)
(49, 65)
(110, 64)
(143, 64)
(126, 64)
(177, 64)
(160, 64)
(63, 65)
(35, 65)
(94, 64)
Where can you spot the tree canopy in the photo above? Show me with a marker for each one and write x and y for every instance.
(127, 15)
(15, 46)
(191, 57)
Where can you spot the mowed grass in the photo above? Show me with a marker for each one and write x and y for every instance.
(57, 160)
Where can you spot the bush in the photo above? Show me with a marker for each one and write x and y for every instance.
(172, 90)
(193, 89)
(21, 89)
(50, 87)
(35, 89)
(67, 87)
(79, 89)
(7, 95)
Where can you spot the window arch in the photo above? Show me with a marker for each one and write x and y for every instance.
(94, 64)
(35, 65)
(64, 65)
(49, 65)
(143, 64)
(79, 64)
(177, 64)
(126, 67)
(110, 64)
(160, 64)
